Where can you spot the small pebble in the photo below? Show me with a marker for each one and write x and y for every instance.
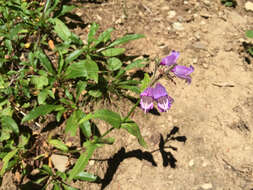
(207, 186)
(249, 6)
(191, 163)
(178, 26)
(172, 14)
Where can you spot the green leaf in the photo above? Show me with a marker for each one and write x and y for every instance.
(8, 122)
(109, 140)
(56, 186)
(113, 64)
(132, 88)
(249, 33)
(109, 116)
(40, 111)
(145, 82)
(39, 81)
(67, 187)
(92, 70)
(113, 52)
(137, 64)
(66, 9)
(134, 130)
(6, 160)
(74, 55)
(47, 169)
(93, 29)
(82, 160)
(45, 61)
(44, 94)
(85, 68)
(86, 129)
(85, 176)
(80, 87)
(251, 50)
(73, 122)
(58, 144)
(104, 37)
(62, 30)
(23, 139)
(126, 39)
(95, 93)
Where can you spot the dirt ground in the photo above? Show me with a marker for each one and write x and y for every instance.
(205, 141)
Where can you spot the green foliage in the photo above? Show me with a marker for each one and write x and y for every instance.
(229, 3)
(249, 34)
(46, 71)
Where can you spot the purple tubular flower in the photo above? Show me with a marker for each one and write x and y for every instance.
(170, 59)
(147, 99)
(183, 72)
(163, 100)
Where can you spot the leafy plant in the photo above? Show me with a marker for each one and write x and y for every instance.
(229, 3)
(249, 34)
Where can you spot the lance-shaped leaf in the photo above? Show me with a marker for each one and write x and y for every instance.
(85, 68)
(8, 122)
(58, 144)
(62, 30)
(133, 129)
(40, 110)
(6, 160)
(93, 29)
(126, 39)
(111, 52)
(85, 176)
(82, 160)
(110, 117)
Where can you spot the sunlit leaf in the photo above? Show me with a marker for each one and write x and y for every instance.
(106, 115)
(82, 160)
(62, 30)
(58, 144)
(85, 176)
(113, 64)
(126, 39)
(133, 129)
(113, 52)
(93, 29)
(8, 122)
(6, 160)
(40, 111)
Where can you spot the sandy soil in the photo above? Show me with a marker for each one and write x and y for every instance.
(205, 141)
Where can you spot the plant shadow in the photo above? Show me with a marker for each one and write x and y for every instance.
(121, 155)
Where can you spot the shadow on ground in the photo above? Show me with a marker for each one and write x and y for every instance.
(121, 155)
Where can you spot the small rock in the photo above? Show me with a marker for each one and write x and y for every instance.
(91, 162)
(191, 163)
(60, 162)
(205, 65)
(194, 60)
(249, 6)
(207, 186)
(172, 14)
(178, 26)
(199, 45)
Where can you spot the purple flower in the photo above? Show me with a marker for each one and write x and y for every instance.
(147, 99)
(163, 100)
(183, 72)
(170, 59)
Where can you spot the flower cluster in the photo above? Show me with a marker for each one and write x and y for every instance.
(159, 93)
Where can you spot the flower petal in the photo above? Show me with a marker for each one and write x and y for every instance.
(183, 72)
(164, 103)
(146, 103)
(170, 59)
(159, 91)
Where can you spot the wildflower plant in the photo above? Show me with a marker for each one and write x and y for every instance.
(249, 34)
(48, 75)
(159, 93)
